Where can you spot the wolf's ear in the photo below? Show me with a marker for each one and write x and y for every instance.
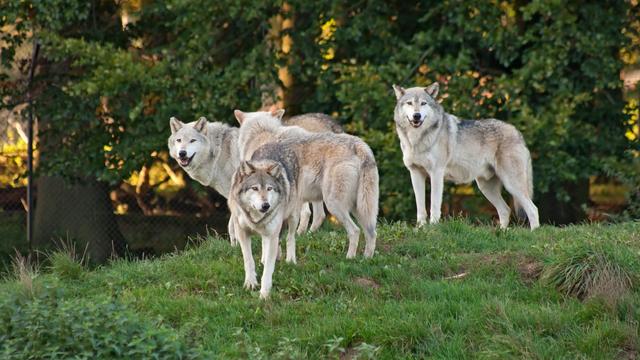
(175, 125)
(201, 125)
(274, 169)
(432, 89)
(240, 116)
(246, 168)
(278, 114)
(399, 90)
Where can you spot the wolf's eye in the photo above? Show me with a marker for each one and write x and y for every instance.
(192, 140)
(269, 188)
(408, 102)
(254, 188)
(179, 140)
(423, 103)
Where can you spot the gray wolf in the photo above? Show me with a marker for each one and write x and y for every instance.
(263, 195)
(442, 146)
(208, 153)
(338, 169)
(317, 123)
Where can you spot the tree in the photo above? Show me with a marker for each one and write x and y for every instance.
(550, 68)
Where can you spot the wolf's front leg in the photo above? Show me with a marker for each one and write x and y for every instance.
(437, 186)
(250, 280)
(418, 180)
(292, 222)
(269, 266)
(231, 228)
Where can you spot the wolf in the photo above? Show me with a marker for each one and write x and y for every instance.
(339, 169)
(264, 194)
(442, 146)
(208, 153)
(318, 123)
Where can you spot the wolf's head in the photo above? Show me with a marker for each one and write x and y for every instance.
(261, 187)
(188, 143)
(255, 127)
(417, 106)
(261, 116)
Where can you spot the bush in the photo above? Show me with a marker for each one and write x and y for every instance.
(587, 271)
(51, 328)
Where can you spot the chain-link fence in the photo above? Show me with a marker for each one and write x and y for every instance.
(156, 210)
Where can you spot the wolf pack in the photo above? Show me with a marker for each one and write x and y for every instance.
(279, 172)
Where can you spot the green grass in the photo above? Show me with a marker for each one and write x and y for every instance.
(449, 291)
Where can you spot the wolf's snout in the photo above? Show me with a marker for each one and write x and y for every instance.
(182, 153)
(416, 117)
(265, 207)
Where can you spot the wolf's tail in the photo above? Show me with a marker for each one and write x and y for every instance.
(367, 199)
(520, 213)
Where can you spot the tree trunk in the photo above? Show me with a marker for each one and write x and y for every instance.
(554, 211)
(80, 212)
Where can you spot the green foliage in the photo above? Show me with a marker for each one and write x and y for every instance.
(50, 327)
(550, 68)
(628, 172)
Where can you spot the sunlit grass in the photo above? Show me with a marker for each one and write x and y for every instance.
(453, 290)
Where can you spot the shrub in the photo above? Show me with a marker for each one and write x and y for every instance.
(586, 271)
(47, 327)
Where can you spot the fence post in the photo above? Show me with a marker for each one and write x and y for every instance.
(34, 56)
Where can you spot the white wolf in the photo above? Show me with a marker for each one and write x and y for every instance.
(440, 145)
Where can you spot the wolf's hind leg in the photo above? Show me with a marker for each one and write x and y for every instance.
(492, 188)
(353, 233)
(305, 214)
(339, 192)
(318, 215)
(291, 238)
(516, 182)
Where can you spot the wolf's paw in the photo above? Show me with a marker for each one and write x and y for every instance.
(250, 284)
(291, 259)
(368, 253)
(351, 254)
(264, 295)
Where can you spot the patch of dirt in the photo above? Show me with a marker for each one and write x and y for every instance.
(349, 353)
(386, 248)
(627, 354)
(366, 282)
(529, 269)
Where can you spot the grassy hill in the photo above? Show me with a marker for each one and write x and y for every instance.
(452, 291)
